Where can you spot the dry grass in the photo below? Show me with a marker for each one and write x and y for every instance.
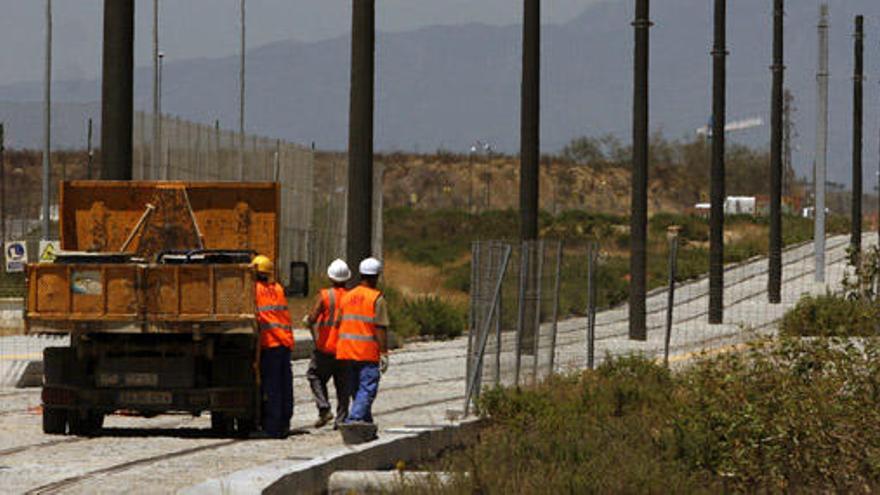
(414, 280)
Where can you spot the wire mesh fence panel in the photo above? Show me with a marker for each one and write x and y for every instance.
(520, 322)
(200, 152)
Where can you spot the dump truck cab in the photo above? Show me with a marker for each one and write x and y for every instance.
(153, 285)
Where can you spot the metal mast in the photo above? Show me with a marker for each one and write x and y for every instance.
(821, 162)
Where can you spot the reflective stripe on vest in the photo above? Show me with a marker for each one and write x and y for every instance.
(271, 308)
(362, 338)
(328, 319)
(368, 319)
(357, 329)
(273, 317)
(270, 326)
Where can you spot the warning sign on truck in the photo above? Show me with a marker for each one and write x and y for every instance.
(48, 251)
(16, 256)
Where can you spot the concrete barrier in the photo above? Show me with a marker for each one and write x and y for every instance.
(410, 445)
(376, 482)
(11, 313)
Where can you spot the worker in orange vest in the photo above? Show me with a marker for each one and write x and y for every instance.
(362, 344)
(276, 344)
(322, 321)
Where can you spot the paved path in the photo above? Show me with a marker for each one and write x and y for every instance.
(168, 453)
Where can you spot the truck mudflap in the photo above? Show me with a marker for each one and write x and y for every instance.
(234, 400)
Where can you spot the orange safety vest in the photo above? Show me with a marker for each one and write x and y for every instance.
(328, 319)
(273, 317)
(357, 328)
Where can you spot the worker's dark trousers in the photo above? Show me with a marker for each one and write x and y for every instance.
(277, 390)
(321, 369)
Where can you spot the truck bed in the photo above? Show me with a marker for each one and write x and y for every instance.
(140, 298)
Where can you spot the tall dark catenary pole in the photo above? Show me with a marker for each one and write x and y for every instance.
(117, 85)
(47, 126)
(639, 214)
(360, 131)
(530, 118)
(719, 117)
(821, 146)
(858, 112)
(774, 281)
(3, 184)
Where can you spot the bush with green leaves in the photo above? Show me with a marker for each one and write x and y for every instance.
(831, 315)
(795, 416)
(435, 317)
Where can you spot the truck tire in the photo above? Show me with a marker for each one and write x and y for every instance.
(222, 424)
(54, 421)
(86, 424)
(244, 427)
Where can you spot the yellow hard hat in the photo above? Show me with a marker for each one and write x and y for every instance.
(263, 265)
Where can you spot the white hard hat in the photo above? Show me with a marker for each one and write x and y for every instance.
(338, 271)
(370, 266)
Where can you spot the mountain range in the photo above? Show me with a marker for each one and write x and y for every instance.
(444, 87)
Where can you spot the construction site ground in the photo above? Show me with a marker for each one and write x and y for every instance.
(170, 453)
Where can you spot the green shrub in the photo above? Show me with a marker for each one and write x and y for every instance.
(402, 323)
(435, 317)
(831, 315)
(795, 416)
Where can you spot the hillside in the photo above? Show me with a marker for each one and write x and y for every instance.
(444, 87)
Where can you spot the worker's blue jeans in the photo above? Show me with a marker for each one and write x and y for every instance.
(277, 390)
(363, 382)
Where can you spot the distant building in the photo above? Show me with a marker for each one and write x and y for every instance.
(733, 205)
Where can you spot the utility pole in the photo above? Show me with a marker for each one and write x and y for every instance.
(162, 171)
(117, 90)
(821, 162)
(241, 100)
(858, 101)
(156, 153)
(774, 281)
(90, 152)
(3, 183)
(530, 120)
(719, 117)
(359, 208)
(639, 207)
(47, 123)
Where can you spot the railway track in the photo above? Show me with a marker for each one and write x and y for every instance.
(70, 482)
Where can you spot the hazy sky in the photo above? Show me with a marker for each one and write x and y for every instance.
(209, 28)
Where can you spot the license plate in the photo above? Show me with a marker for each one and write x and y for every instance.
(145, 397)
(141, 379)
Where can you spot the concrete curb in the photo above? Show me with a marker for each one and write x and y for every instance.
(411, 444)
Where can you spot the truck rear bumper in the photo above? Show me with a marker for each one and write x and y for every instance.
(46, 326)
(233, 400)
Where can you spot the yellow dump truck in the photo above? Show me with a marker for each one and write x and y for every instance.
(154, 288)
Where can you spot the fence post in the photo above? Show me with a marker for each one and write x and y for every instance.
(472, 317)
(539, 286)
(591, 304)
(484, 331)
(556, 307)
(498, 249)
(670, 301)
(521, 317)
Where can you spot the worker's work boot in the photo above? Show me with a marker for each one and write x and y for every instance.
(324, 417)
(357, 432)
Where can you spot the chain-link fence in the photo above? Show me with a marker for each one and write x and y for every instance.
(198, 152)
(514, 310)
(584, 318)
